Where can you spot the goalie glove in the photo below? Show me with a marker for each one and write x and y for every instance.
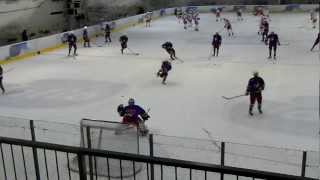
(120, 110)
(145, 116)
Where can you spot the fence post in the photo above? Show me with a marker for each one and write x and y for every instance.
(151, 155)
(222, 158)
(90, 157)
(34, 151)
(82, 167)
(304, 162)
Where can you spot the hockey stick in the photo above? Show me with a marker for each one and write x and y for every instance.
(134, 53)
(9, 70)
(211, 139)
(233, 97)
(182, 61)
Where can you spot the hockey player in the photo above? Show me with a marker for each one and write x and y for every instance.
(169, 48)
(218, 15)
(314, 19)
(239, 15)
(134, 115)
(254, 89)
(316, 42)
(148, 18)
(185, 20)
(196, 19)
(85, 35)
(72, 41)
(107, 31)
(189, 19)
(163, 72)
(273, 41)
(216, 43)
(123, 40)
(1, 77)
(265, 30)
(228, 26)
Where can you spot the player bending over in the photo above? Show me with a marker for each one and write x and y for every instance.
(254, 89)
(169, 48)
(216, 43)
(273, 41)
(123, 41)
(134, 115)
(163, 72)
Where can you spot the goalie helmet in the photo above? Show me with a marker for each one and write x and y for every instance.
(131, 101)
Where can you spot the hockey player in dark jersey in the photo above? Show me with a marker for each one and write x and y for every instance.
(134, 115)
(216, 43)
(169, 48)
(228, 26)
(72, 41)
(1, 77)
(85, 35)
(123, 40)
(316, 42)
(239, 15)
(265, 30)
(273, 41)
(107, 31)
(163, 72)
(254, 89)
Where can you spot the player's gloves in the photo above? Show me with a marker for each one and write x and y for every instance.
(247, 93)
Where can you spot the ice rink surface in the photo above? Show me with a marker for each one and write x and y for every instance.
(58, 88)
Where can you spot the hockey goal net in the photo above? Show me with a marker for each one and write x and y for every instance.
(104, 135)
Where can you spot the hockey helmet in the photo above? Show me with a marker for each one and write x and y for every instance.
(131, 101)
(255, 73)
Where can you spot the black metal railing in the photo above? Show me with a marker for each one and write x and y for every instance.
(18, 156)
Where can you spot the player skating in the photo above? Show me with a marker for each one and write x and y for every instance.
(178, 13)
(133, 116)
(239, 15)
(1, 78)
(216, 43)
(273, 42)
(163, 72)
(196, 19)
(168, 46)
(218, 15)
(123, 41)
(254, 89)
(185, 20)
(72, 41)
(313, 18)
(315, 42)
(265, 30)
(107, 31)
(148, 18)
(85, 36)
(228, 27)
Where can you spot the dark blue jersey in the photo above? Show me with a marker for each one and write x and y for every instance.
(123, 39)
(72, 39)
(217, 39)
(273, 39)
(255, 85)
(133, 111)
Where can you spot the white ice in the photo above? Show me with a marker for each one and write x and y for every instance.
(57, 88)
